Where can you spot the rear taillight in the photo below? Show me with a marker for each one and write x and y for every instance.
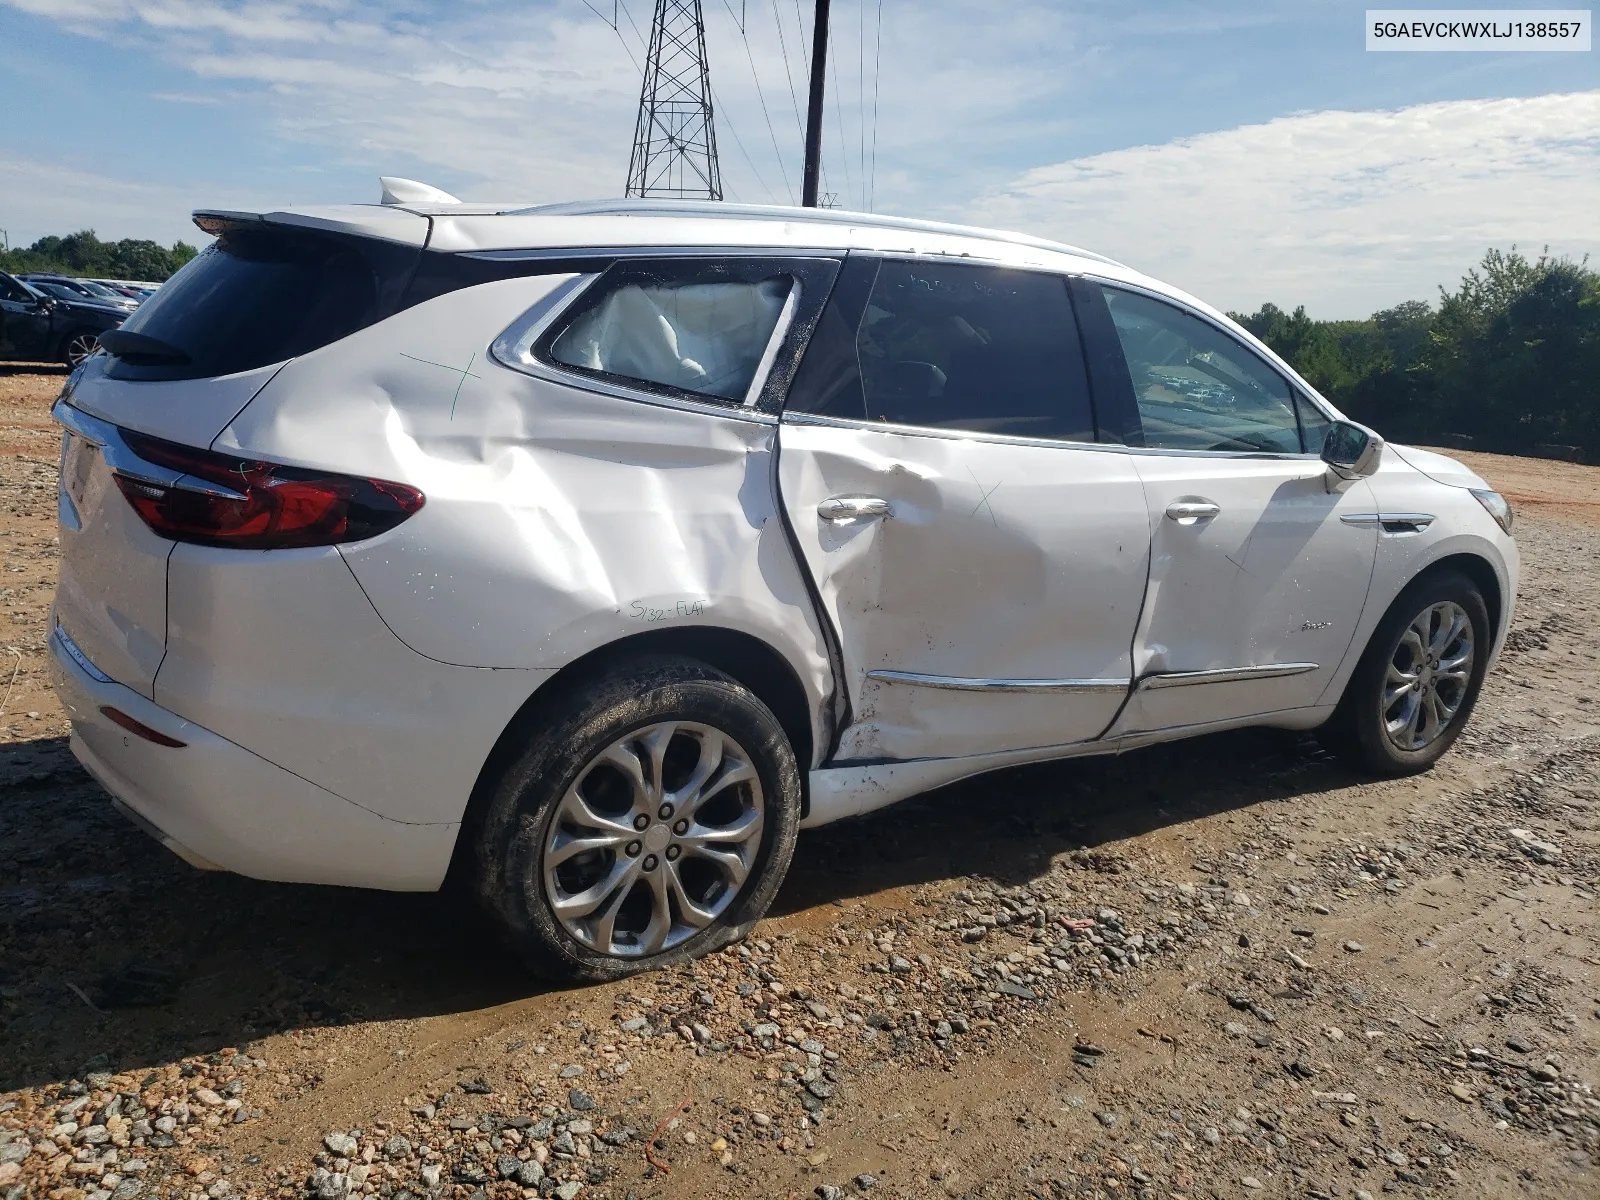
(248, 504)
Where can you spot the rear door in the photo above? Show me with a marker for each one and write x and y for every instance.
(1256, 585)
(981, 558)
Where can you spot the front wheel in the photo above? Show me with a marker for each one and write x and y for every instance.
(649, 821)
(1418, 680)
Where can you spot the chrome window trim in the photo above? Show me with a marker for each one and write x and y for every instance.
(959, 683)
(959, 435)
(1168, 679)
(1265, 455)
(1012, 439)
(123, 461)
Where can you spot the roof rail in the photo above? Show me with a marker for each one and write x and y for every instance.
(634, 207)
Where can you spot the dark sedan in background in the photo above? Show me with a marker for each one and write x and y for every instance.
(38, 327)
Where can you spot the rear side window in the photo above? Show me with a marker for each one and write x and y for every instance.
(702, 337)
(717, 329)
(952, 346)
(264, 294)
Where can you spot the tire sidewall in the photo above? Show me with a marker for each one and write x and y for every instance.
(1366, 693)
(524, 803)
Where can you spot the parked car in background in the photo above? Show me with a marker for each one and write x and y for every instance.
(37, 326)
(84, 291)
(591, 551)
(137, 291)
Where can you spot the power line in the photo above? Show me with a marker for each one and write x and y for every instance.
(861, 91)
(877, 57)
(772, 133)
(838, 116)
(783, 45)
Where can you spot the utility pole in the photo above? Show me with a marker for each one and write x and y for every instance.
(819, 59)
(675, 139)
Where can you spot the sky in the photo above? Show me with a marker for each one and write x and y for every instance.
(1247, 152)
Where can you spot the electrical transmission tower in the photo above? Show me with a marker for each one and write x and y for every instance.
(675, 141)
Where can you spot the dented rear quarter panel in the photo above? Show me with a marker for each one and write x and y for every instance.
(558, 519)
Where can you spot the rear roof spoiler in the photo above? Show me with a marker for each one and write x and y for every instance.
(389, 223)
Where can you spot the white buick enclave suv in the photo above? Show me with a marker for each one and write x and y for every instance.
(589, 552)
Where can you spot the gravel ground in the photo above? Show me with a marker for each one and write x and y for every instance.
(1224, 968)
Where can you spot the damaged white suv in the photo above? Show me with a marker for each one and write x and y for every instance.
(590, 552)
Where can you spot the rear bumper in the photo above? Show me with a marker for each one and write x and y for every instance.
(219, 806)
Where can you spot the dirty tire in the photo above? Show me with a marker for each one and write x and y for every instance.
(509, 875)
(1357, 729)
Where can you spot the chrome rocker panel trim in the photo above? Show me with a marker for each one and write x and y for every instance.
(1167, 679)
(1037, 687)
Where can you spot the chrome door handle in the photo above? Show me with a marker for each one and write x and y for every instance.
(848, 508)
(1186, 512)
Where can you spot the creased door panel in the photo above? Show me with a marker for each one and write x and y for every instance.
(1002, 577)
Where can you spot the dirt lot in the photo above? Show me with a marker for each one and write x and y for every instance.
(1225, 968)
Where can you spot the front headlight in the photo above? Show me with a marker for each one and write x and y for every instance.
(1496, 505)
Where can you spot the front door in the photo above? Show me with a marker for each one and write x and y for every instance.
(1256, 585)
(982, 561)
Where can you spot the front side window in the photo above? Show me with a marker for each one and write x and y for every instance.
(1314, 424)
(689, 334)
(1197, 388)
(953, 346)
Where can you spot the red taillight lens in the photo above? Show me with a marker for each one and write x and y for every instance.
(274, 507)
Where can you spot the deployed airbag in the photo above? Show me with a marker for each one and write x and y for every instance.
(701, 337)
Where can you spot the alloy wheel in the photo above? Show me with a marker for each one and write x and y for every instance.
(654, 840)
(1429, 676)
(80, 346)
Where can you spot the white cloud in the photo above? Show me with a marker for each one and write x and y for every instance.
(60, 200)
(1346, 212)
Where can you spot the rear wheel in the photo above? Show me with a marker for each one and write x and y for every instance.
(649, 822)
(1418, 680)
(78, 345)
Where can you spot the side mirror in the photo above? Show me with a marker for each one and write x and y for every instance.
(1352, 451)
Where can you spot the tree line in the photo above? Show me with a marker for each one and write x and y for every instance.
(85, 255)
(1510, 360)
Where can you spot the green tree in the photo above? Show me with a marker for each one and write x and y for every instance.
(1510, 359)
(84, 254)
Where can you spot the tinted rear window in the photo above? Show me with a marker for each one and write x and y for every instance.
(263, 295)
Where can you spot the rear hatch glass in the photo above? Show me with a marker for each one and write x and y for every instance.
(262, 294)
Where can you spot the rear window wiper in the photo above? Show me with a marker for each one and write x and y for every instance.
(140, 348)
